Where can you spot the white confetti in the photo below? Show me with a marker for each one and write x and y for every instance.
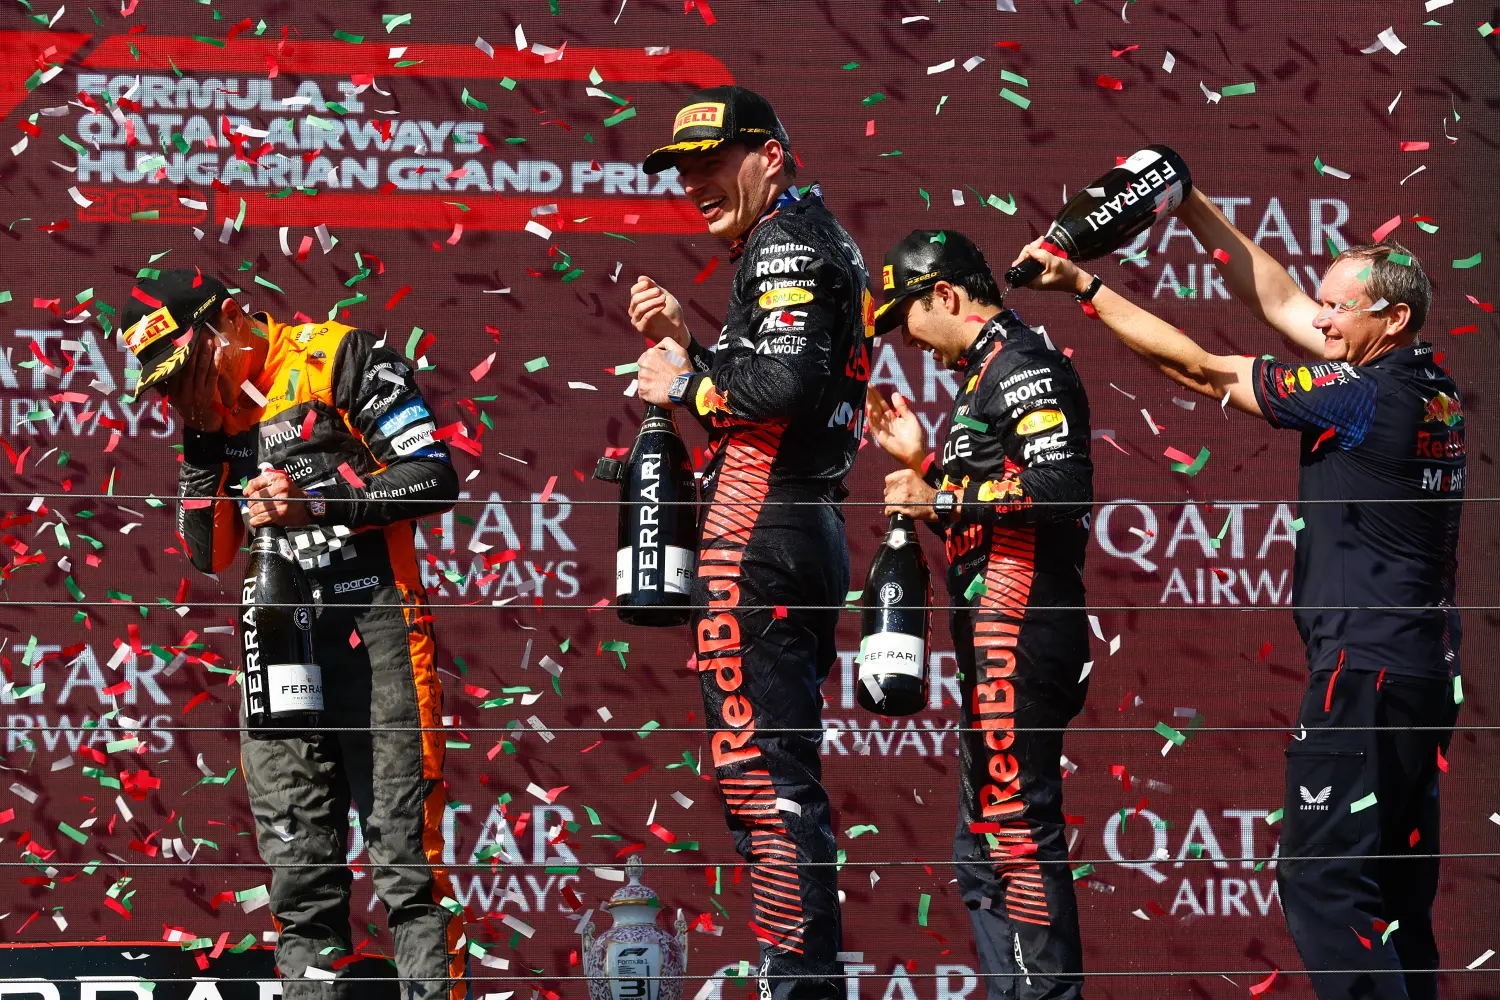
(313, 972)
(1169, 62)
(682, 800)
(325, 241)
(249, 389)
(1413, 173)
(537, 229)
(787, 805)
(1088, 668)
(485, 47)
(582, 385)
(78, 198)
(1155, 431)
(609, 874)
(1433, 5)
(1392, 107)
(972, 62)
(942, 67)
(1335, 172)
(551, 666)
(1389, 40)
(1489, 953)
(958, 198)
(1121, 391)
(1212, 96)
(539, 792)
(520, 39)
(913, 19)
(605, 713)
(22, 791)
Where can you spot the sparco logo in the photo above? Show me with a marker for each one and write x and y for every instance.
(890, 593)
(1317, 802)
(345, 586)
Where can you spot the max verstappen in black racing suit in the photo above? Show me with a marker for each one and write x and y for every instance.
(782, 397)
(325, 432)
(1010, 495)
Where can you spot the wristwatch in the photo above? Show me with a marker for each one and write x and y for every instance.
(1087, 295)
(679, 387)
(943, 504)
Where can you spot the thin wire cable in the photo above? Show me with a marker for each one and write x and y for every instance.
(497, 865)
(535, 979)
(768, 502)
(517, 730)
(506, 603)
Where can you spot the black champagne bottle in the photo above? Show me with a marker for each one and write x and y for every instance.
(658, 526)
(283, 685)
(1113, 210)
(896, 625)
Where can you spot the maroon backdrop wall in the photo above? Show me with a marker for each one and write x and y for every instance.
(426, 180)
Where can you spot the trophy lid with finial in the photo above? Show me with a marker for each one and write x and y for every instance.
(633, 892)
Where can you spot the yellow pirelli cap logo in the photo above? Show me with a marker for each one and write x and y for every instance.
(708, 113)
(888, 277)
(150, 329)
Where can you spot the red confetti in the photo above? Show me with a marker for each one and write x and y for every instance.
(547, 490)
(1265, 650)
(1117, 53)
(1222, 256)
(663, 833)
(401, 293)
(1459, 331)
(1413, 147)
(1330, 432)
(1109, 83)
(1487, 307)
(195, 701)
(1416, 835)
(1442, 761)
(1264, 984)
(708, 269)
(1386, 227)
(142, 296)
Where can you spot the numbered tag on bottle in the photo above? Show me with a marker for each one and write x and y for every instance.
(294, 687)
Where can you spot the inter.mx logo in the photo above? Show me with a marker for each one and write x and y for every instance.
(1318, 802)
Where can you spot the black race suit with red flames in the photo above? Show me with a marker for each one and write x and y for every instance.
(1018, 448)
(345, 420)
(782, 398)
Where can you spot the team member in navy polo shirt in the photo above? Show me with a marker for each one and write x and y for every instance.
(1380, 493)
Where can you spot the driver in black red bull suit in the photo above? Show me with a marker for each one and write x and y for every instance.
(1010, 495)
(782, 397)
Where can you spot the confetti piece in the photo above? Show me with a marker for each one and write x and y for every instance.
(1010, 95)
(1415, 147)
(537, 229)
(922, 906)
(1362, 804)
(536, 364)
(1169, 62)
(1109, 82)
(1264, 984)
(1468, 262)
(1236, 89)
(1385, 229)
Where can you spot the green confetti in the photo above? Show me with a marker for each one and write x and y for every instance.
(629, 369)
(1236, 89)
(1298, 524)
(872, 100)
(1426, 227)
(536, 364)
(645, 730)
(1008, 207)
(850, 65)
(1014, 78)
(1485, 30)
(5, 296)
(922, 905)
(619, 117)
(1399, 258)
(507, 83)
(976, 586)
(1082, 871)
(1467, 262)
(857, 831)
(1362, 804)
(1169, 733)
(971, 423)
(263, 282)
(1196, 467)
(394, 21)
(1390, 929)
(1010, 95)
(344, 36)
(1458, 690)
(473, 101)
(148, 215)
(217, 43)
(925, 197)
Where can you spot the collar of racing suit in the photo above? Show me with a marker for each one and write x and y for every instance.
(787, 197)
(1001, 325)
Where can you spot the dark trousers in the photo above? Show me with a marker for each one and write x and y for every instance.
(1011, 849)
(761, 671)
(1353, 794)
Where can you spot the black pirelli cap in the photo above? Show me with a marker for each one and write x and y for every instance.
(922, 259)
(716, 117)
(164, 311)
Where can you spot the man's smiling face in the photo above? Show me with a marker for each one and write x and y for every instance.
(728, 185)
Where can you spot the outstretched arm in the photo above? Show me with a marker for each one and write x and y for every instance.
(1253, 275)
(1173, 353)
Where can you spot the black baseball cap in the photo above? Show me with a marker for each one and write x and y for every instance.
(162, 317)
(716, 116)
(921, 260)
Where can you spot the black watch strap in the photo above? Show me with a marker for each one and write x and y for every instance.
(1087, 295)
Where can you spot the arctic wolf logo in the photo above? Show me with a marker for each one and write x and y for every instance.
(1311, 801)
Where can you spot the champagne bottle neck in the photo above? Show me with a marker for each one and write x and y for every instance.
(901, 522)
